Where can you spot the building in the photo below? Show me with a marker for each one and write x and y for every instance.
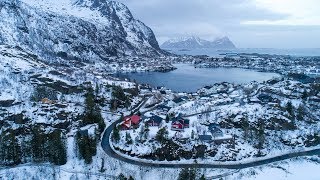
(179, 123)
(205, 138)
(164, 108)
(215, 130)
(130, 122)
(154, 121)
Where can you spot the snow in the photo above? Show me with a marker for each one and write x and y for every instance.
(295, 169)
(67, 7)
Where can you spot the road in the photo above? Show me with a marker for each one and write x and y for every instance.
(109, 151)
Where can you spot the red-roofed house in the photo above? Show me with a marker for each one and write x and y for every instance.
(130, 122)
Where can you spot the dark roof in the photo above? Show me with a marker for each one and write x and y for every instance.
(181, 120)
(164, 107)
(205, 137)
(156, 119)
(178, 100)
(265, 97)
(208, 87)
(215, 130)
(213, 125)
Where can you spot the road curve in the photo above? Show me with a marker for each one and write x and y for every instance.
(109, 151)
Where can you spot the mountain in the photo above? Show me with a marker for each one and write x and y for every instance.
(85, 30)
(196, 42)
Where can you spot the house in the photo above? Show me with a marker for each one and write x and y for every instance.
(163, 92)
(154, 121)
(130, 122)
(179, 123)
(164, 108)
(265, 98)
(180, 100)
(215, 130)
(46, 101)
(205, 138)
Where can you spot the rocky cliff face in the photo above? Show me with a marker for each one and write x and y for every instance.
(85, 30)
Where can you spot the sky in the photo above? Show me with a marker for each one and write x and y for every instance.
(248, 23)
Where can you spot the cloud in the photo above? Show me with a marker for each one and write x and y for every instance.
(212, 18)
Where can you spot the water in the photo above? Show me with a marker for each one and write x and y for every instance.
(271, 51)
(189, 79)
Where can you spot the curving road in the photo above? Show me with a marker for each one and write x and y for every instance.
(106, 147)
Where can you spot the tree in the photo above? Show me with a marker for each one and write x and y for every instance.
(202, 177)
(131, 178)
(102, 166)
(304, 95)
(301, 112)
(192, 134)
(167, 118)
(97, 90)
(87, 147)
(118, 93)
(10, 152)
(121, 177)
(146, 131)
(289, 108)
(41, 92)
(260, 136)
(38, 144)
(141, 133)
(128, 138)
(187, 174)
(246, 128)
(92, 111)
(162, 135)
(57, 151)
(116, 134)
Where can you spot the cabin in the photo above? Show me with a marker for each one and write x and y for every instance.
(154, 121)
(215, 130)
(177, 126)
(163, 92)
(46, 101)
(130, 122)
(180, 100)
(164, 108)
(179, 123)
(205, 138)
(265, 98)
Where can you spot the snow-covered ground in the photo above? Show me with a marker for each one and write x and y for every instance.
(293, 169)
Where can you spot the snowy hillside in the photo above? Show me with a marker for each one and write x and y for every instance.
(78, 30)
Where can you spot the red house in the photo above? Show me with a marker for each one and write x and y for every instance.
(179, 124)
(130, 122)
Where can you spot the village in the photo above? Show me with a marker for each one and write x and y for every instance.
(281, 64)
(222, 122)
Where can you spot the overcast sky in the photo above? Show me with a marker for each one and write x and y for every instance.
(248, 23)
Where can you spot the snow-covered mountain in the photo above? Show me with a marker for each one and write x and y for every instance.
(193, 42)
(86, 30)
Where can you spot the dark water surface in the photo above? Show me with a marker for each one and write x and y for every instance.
(189, 79)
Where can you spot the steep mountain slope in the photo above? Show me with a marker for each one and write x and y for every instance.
(195, 42)
(83, 30)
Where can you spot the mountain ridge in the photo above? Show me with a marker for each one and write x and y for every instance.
(193, 42)
(90, 30)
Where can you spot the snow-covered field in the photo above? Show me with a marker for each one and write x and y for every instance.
(294, 169)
